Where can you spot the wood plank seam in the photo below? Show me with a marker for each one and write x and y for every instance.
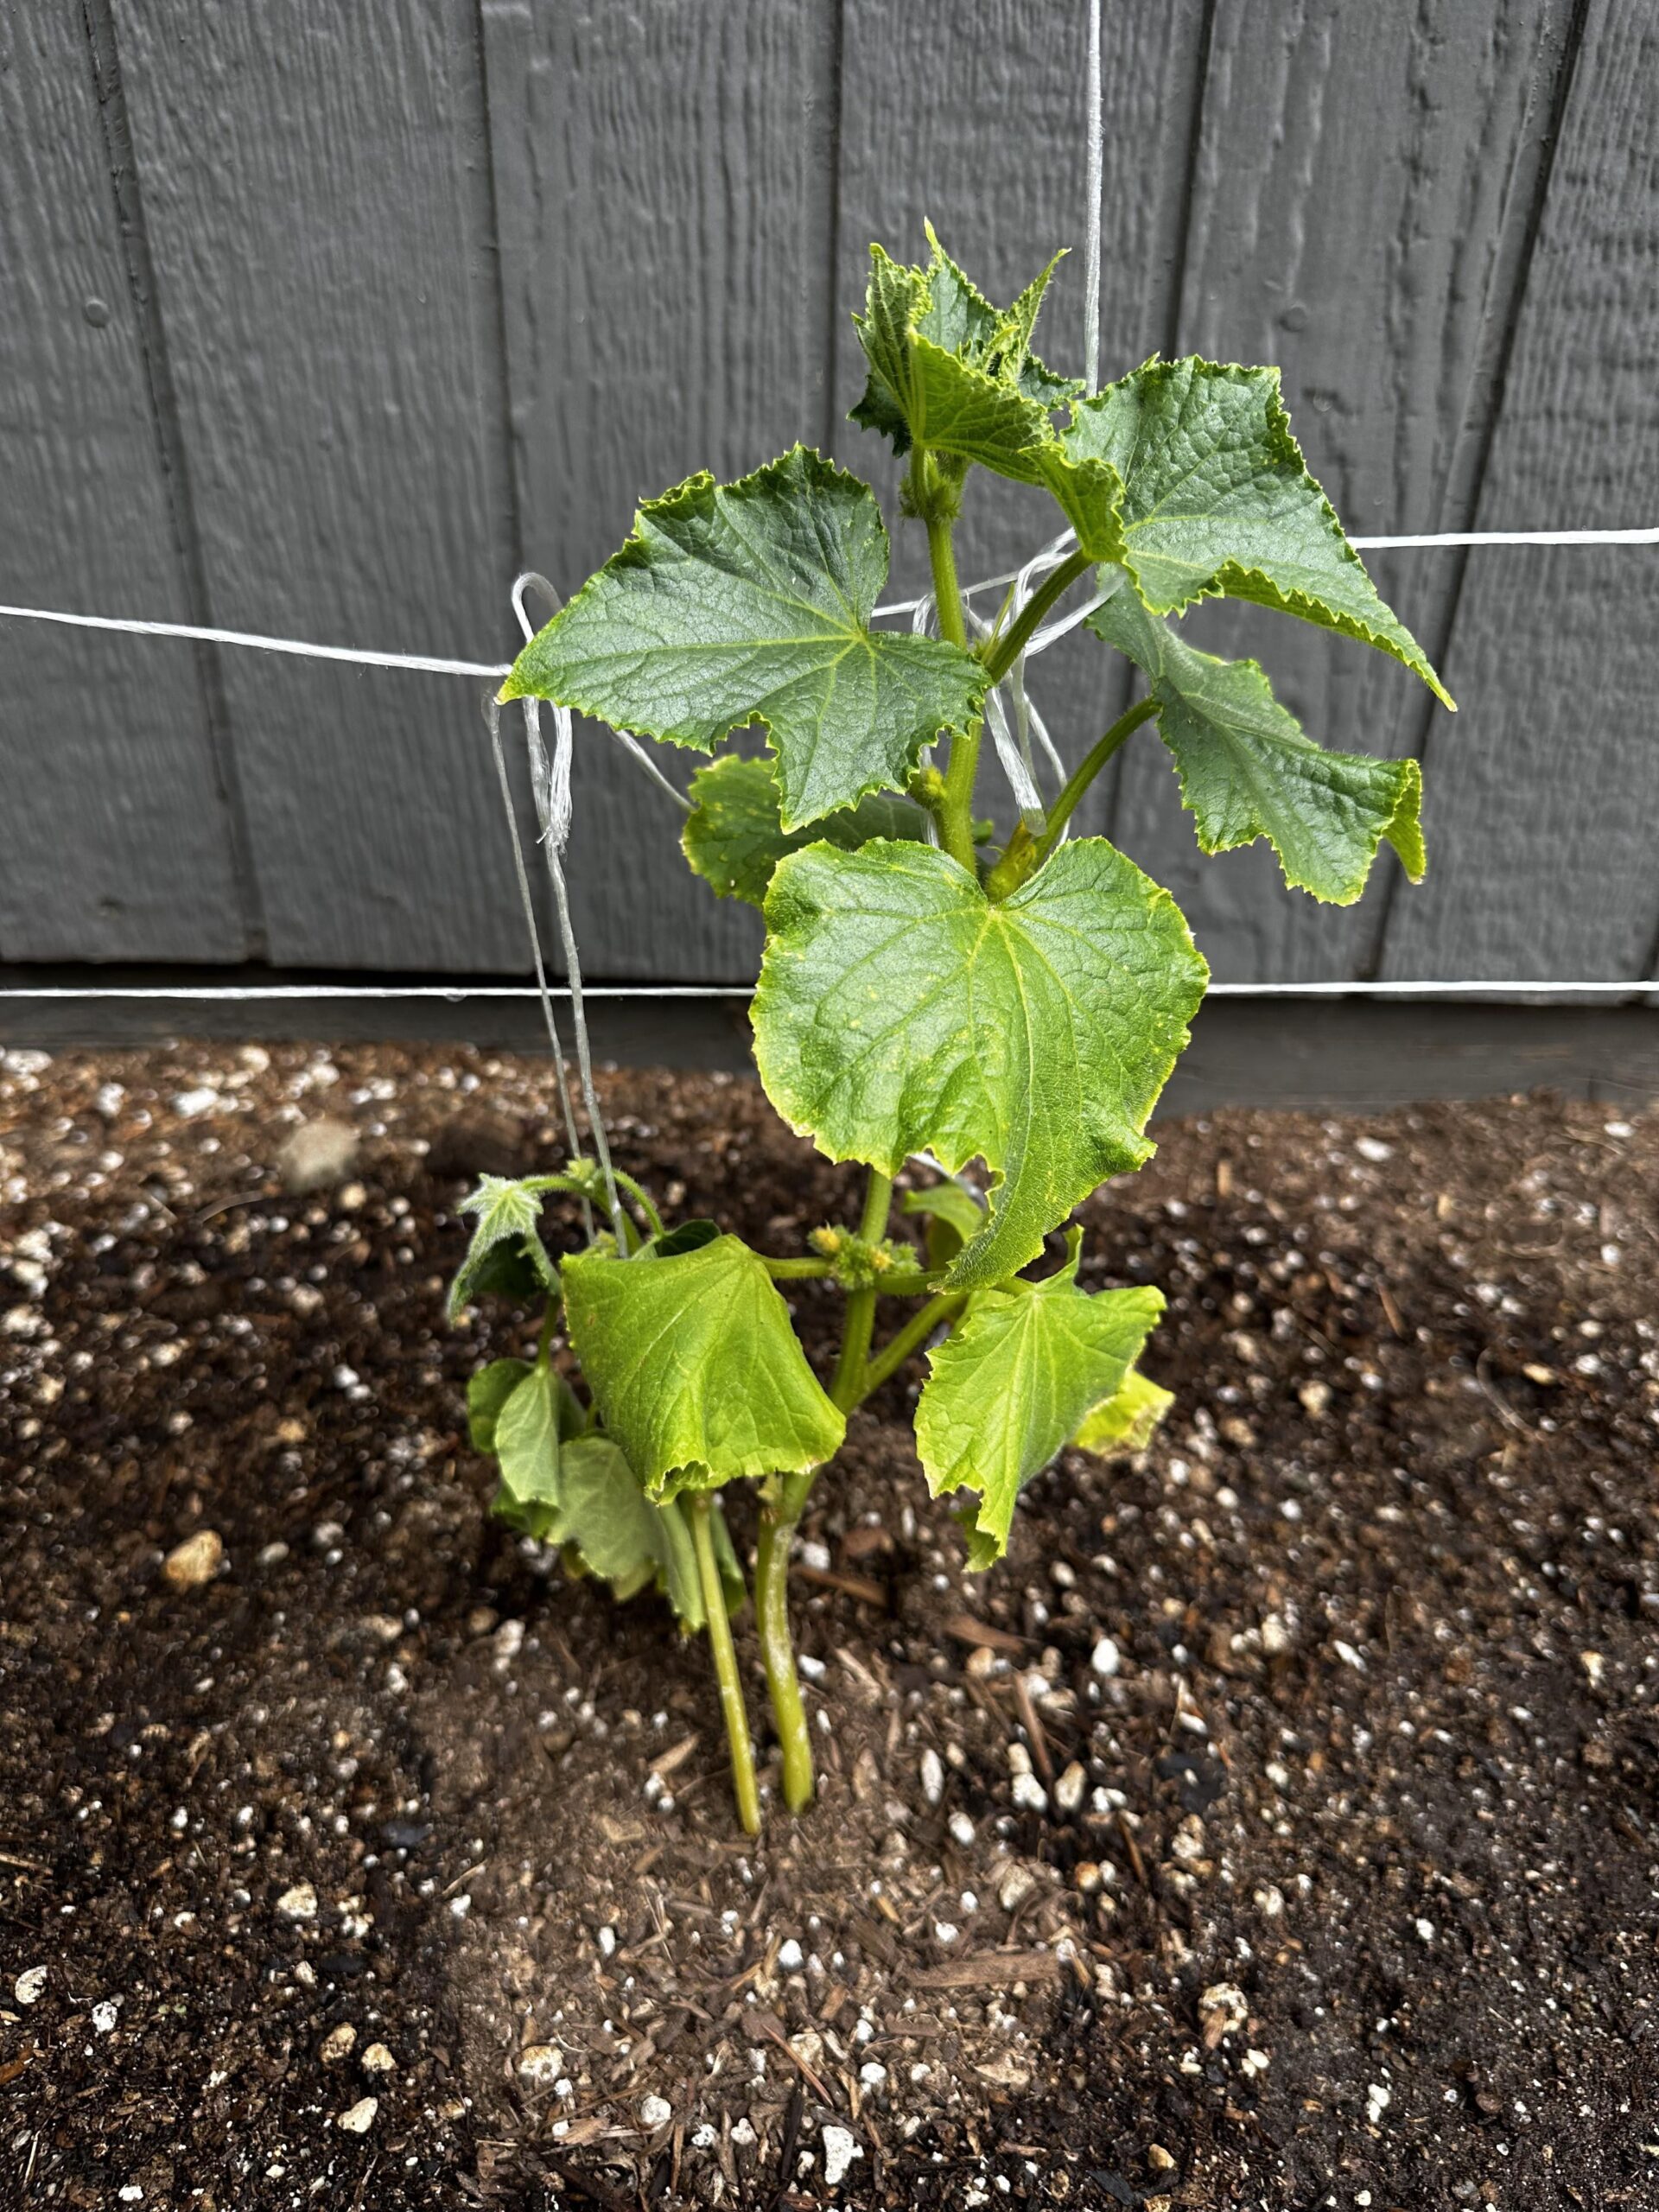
(104, 59)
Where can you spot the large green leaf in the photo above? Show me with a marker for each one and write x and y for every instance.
(734, 836)
(1215, 500)
(750, 602)
(1248, 771)
(696, 1372)
(1013, 1381)
(898, 1008)
(949, 372)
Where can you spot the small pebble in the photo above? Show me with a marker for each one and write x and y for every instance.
(1223, 2010)
(932, 1776)
(540, 2064)
(841, 2147)
(317, 1156)
(655, 2112)
(298, 1903)
(196, 1560)
(28, 1985)
(1068, 1790)
(338, 2044)
(359, 2118)
(607, 1942)
(1105, 1658)
(376, 2059)
(790, 1956)
(105, 2015)
(962, 1829)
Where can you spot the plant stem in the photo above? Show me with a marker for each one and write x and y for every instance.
(725, 1658)
(847, 1387)
(796, 1270)
(642, 1199)
(776, 1540)
(1007, 650)
(956, 809)
(1085, 771)
(898, 1347)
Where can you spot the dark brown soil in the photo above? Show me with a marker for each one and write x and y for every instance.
(1348, 1899)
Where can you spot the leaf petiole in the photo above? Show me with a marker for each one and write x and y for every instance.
(1008, 649)
(725, 1658)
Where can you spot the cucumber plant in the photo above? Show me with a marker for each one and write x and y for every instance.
(924, 989)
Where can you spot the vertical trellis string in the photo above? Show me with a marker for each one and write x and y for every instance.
(1091, 233)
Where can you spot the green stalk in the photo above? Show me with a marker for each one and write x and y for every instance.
(724, 1657)
(1085, 771)
(1006, 650)
(848, 1386)
(776, 1540)
(898, 1347)
(955, 812)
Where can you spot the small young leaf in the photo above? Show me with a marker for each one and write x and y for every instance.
(750, 602)
(486, 1393)
(1014, 1381)
(1124, 1423)
(898, 1008)
(1215, 500)
(734, 836)
(1248, 771)
(506, 1239)
(955, 1217)
(949, 372)
(695, 1370)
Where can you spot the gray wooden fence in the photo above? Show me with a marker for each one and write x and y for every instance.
(324, 320)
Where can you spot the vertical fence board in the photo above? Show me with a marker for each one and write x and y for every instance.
(1547, 783)
(1361, 177)
(317, 198)
(662, 174)
(114, 841)
(972, 113)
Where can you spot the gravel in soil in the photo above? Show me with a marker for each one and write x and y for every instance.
(1276, 1826)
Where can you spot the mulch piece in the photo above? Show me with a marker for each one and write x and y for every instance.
(386, 1867)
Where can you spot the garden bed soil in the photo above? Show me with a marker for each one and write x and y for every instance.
(388, 1868)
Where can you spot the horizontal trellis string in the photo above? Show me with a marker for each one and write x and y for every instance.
(1407, 987)
(427, 665)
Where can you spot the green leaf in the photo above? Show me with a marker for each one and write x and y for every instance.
(949, 372)
(1215, 500)
(486, 1393)
(1124, 1422)
(900, 1010)
(695, 1368)
(617, 1531)
(750, 602)
(1014, 1381)
(531, 1426)
(1248, 771)
(734, 836)
(955, 1217)
(507, 1231)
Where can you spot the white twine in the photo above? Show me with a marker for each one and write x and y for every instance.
(236, 993)
(1092, 183)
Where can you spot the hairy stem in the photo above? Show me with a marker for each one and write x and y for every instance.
(1085, 771)
(847, 1387)
(915, 1332)
(1007, 650)
(772, 1549)
(724, 1657)
(955, 812)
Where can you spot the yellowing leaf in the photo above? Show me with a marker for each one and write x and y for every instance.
(1014, 1381)
(900, 1009)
